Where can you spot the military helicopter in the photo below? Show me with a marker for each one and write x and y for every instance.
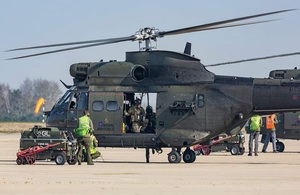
(193, 105)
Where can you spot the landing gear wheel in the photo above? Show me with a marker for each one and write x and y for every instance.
(189, 156)
(280, 146)
(60, 158)
(174, 157)
(242, 151)
(234, 150)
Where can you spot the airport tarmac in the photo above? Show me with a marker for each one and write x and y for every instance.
(124, 171)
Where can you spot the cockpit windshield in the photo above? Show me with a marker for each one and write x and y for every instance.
(63, 102)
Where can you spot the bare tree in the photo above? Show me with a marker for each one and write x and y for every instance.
(19, 104)
(4, 99)
(49, 90)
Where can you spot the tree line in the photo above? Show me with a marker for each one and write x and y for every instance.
(18, 104)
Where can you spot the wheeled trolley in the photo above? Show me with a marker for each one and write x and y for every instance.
(47, 143)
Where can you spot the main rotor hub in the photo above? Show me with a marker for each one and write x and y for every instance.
(147, 34)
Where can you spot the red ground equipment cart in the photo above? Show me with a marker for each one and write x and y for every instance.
(28, 156)
(230, 143)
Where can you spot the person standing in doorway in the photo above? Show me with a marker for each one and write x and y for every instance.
(137, 114)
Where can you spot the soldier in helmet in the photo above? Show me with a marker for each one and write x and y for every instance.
(151, 117)
(137, 114)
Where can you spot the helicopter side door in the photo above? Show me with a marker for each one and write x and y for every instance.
(106, 111)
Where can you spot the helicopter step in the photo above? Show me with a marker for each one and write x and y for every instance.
(137, 140)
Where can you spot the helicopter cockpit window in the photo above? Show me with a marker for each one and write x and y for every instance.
(83, 101)
(200, 101)
(63, 102)
(112, 106)
(73, 103)
(98, 106)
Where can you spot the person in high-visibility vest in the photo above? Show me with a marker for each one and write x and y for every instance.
(94, 143)
(83, 131)
(271, 120)
(255, 123)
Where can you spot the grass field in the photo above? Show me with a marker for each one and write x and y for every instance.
(13, 127)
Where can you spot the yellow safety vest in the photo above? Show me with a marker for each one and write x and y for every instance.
(92, 147)
(255, 123)
(83, 127)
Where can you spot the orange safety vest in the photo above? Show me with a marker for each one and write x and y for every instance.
(270, 121)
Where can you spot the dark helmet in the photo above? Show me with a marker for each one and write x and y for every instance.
(149, 109)
(137, 101)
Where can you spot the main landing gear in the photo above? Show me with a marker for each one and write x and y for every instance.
(188, 155)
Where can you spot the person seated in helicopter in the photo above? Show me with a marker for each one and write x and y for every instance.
(151, 116)
(72, 105)
(137, 115)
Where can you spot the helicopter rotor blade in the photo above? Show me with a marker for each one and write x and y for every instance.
(254, 59)
(204, 26)
(235, 25)
(145, 34)
(113, 40)
(78, 47)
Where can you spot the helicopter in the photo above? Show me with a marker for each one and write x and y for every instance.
(193, 105)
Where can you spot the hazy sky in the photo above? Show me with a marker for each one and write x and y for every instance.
(35, 22)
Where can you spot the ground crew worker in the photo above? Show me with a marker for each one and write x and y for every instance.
(271, 120)
(137, 114)
(94, 143)
(255, 123)
(83, 131)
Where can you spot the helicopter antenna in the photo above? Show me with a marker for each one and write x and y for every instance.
(188, 48)
(254, 59)
(146, 35)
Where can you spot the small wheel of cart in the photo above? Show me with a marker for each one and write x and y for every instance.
(206, 150)
(234, 150)
(72, 160)
(19, 161)
(242, 151)
(60, 158)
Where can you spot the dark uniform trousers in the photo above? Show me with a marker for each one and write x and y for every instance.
(84, 141)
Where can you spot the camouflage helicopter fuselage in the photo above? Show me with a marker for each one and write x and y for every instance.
(193, 104)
